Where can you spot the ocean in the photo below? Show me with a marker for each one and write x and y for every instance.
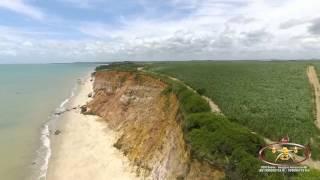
(29, 96)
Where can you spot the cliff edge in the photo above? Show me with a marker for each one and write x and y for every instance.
(149, 125)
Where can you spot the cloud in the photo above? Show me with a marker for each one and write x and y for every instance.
(315, 27)
(8, 53)
(19, 6)
(241, 20)
(174, 30)
(83, 3)
(256, 37)
(292, 23)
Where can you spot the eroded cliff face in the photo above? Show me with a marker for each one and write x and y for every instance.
(149, 123)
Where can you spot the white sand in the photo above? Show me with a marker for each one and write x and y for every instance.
(84, 149)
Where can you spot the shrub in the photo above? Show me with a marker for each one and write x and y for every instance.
(201, 91)
(226, 144)
(190, 101)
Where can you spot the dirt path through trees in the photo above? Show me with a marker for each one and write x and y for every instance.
(214, 107)
(314, 81)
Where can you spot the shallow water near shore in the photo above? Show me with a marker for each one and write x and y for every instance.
(29, 94)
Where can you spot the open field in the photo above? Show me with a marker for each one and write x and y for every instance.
(273, 99)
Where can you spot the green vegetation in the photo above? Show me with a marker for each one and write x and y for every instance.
(201, 91)
(214, 138)
(273, 99)
(123, 66)
(312, 175)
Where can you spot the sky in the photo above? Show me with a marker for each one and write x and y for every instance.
(42, 31)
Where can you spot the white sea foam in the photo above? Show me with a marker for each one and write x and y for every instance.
(44, 152)
(46, 146)
(64, 102)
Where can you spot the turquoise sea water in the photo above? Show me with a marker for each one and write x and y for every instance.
(29, 94)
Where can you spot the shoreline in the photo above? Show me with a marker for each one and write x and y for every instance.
(84, 147)
(40, 163)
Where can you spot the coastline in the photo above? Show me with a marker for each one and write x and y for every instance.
(84, 147)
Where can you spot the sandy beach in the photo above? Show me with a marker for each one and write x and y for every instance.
(84, 148)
